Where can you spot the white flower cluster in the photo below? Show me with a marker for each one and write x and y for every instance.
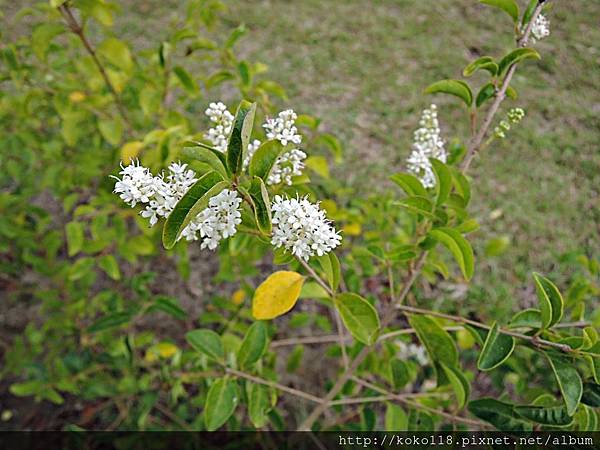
(540, 28)
(281, 128)
(218, 221)
(410, 350)
(290, 163)
(302, 228)
(514, 115)
(427, 144)
(218, 114)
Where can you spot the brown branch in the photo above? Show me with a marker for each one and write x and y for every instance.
(533, 339)
(478, 138)
(402, 399)
(77, 29)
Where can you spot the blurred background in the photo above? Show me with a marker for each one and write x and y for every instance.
(360, 67)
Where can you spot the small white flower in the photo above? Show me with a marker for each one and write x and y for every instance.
(217, 221)
(540, 28)
(288, 165)
(302, 228)
(137, 185)
(410, 350)
(282, 128)
(427, 144)
(252, 147)
(218, 114)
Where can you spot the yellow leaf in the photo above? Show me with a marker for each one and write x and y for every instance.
(77, 96)
(352, 229)
(238, 297)
(166, 349)
(130, 151)
(465, 339)
(276, 295)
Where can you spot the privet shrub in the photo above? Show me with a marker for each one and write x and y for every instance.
(241, 190)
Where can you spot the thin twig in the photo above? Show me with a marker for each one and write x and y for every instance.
(281, 387)
(387, 318)
(384, 398)
(478, 138)
(416, 405)
(533, 339)
(77, 29)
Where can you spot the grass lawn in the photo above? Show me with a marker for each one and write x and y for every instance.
(362, 66)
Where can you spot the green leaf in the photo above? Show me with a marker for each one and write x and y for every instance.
(74, 232)
(264, 159)
(333, 144)
(437, 342)
(517, 56)
(109, 264)
(496, 349)
(457, 88)
(359, 317)
(110, 321)
(209, 156)
(551, 301)
(528, 13)
(240, 136)
(207, 342)
(254, 344)
(460, 385)
(221, 401)
(418, 205)
(591, 395)
(395, 418)
(42, 36)
(482, 63)
(444, 181)
(399, 373)
(190, 205)
(261, 205)
(458, 246)
(461, 184)
(568, 380)
(116, 53)
(258, 404)
(318, 164)
(509, 6)
(486, 92)
(410, 184)
(331, 266)
(555, 415)
(496, 246)
(186, 80)
(111, 130)
(499, 414)
(169, 306)
(530, 318)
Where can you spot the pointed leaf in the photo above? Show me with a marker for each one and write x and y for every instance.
(444, 181)
(458, 246)
(207, 342)
(221, 401)
(498, 413)
(239, 137)
(457, 88)
(551, 301)
(410, 184)
(261, 205)
(460, 385)
(209, 156)
(555, 416)
(418, 205)
(437, 342)
(496, 349)
(510, 7)
(190, 205)
(359, 317)
(516, 56)
(568, 380)
(254, 344)
(264, 159)
(482, 63)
